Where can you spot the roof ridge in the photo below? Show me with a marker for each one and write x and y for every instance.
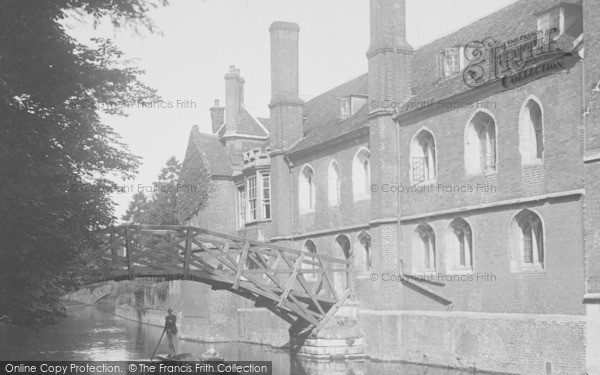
(467, 24)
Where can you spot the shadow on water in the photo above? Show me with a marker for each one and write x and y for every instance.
(96, 334)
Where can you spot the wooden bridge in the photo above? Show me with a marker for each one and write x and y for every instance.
(297, 286)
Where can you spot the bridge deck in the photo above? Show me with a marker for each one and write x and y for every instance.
(291, 283)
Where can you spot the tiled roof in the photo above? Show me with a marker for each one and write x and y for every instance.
(213, 152)
(322, 114)
(324, 109)
(248, 125)
(333, 129)
(509, 22)
(266, 122)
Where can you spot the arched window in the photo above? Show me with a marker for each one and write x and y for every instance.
(306, 189)
(333, 184)
(480, 144)
(309, 247)
(362, 253)
(422, 158)
(459, 245)
(527, 241)
(531, 137)
(341, 250)
(361, 175)
(424, 255)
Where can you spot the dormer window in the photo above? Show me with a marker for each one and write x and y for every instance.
(350, 104)
(451, 61)
(345, 111)
(553, 19)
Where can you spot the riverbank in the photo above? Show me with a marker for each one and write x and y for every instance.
(70, 305)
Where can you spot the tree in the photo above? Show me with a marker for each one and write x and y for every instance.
(137, 210)
(160, 208)
(55, 153)
(163, 206)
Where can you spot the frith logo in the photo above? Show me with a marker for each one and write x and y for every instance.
(516, 61)
(534, 72)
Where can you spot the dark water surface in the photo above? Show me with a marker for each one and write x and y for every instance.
(96, 334)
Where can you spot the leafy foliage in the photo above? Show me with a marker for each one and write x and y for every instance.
(136, 213)
(52, 149)
(195, 182)
(160, 207)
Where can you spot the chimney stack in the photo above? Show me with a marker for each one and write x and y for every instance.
(234, 98)
(390, 55)
(287, 112)
(286, 106)
(217, 116)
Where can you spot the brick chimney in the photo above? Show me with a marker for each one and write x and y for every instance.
(390, 59)
(287, 111)
(390, 55)
(217, 116)
(286, 106)
(234, 99)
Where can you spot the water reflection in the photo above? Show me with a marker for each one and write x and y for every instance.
(96, 334)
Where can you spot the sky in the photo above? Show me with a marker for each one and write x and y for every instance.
(200, 39)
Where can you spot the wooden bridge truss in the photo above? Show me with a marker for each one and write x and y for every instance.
(298, 286)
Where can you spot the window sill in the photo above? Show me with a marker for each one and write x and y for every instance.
(482, 173)
(256, 222)
(422, 273)
(306, 211)
(362, 198)
(459, 271)
(363, 275)
(533, 162)
(451, 76)
(425, 183)
(523, 268)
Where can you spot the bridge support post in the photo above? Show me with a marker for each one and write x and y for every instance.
(188, 250)
(339, 338)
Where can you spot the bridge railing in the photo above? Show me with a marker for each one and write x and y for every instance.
(303, 284)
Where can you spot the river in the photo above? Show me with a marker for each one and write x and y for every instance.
(94, 333)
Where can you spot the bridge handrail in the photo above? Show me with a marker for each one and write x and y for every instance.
(176, 228)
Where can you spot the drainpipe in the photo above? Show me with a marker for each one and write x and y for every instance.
(290, 165)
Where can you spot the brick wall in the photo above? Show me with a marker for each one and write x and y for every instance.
(348, 212)
(562, 169)
(591, 92)
(557, 289)
(504, 343)
(492, 286)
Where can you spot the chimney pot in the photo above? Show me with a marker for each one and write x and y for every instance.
(217, 116)
(234, 98)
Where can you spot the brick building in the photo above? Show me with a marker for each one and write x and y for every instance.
(471, 163)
